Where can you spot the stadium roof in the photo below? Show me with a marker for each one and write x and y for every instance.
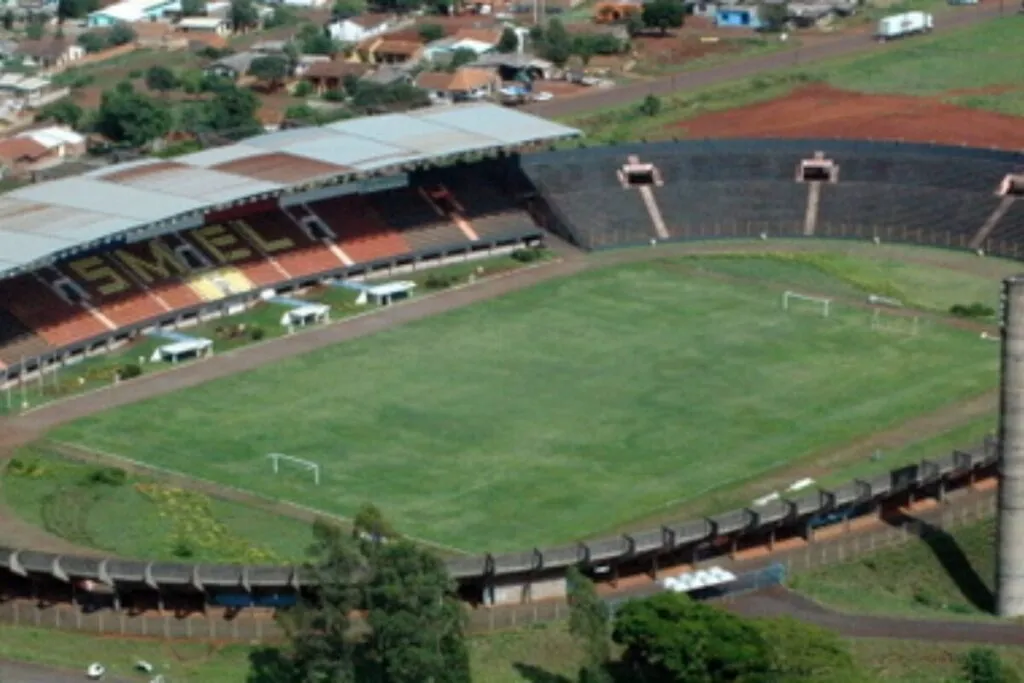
(55, 219)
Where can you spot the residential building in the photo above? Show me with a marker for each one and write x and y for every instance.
(131, 11)
(60, 142)
(330, 75)
(305, 3)
(204, 25)
(477, 41)
(8, 48)
(22, 156)
(388, 51)
(464, 85)
(269, 47)
(388, 75)
(360, 28)
(49, 52)
(233, 66)
(31, 92)
(511, 67)
(158, 35)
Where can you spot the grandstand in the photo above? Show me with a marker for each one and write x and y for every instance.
(93, 259)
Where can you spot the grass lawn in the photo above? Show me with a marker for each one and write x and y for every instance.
(981, 56)
(950, 576)
(144, 518)
(555, 395)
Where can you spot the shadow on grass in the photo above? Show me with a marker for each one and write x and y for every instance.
(952, 558)
(268, 665)
(535, 674)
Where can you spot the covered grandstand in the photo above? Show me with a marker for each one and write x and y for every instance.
(95, 258)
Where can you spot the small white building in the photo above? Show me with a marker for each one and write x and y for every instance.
(205, 25)
(59, 141)
(358, 29)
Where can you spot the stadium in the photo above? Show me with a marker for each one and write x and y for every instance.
(146, 250)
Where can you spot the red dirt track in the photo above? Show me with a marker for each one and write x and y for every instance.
(823, 111)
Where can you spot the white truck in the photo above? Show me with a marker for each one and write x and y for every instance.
(902, 25)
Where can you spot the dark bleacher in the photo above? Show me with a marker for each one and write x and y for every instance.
(905, 213)
(601, 219)
(17, 342)
(731, 209)
(1008, 235)
(421, 226)
(975, 175)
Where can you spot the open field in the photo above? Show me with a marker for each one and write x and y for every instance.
(144, 518)
(959, 88)
(945, 575)
(549, 395)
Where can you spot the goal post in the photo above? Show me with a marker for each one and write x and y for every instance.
(909, 325)
(308, 465)
(824, 303)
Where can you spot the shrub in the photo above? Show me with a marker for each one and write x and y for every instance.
(975, 310)
(25, 468)
(130, 370)
(528, 255)
(183, 549)
(440, 281)
(257, 333)
(108, 476)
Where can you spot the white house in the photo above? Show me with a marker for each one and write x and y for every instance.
(358, 29)
(130, 11)
(206, 25)
(59, 141)
(477, 41)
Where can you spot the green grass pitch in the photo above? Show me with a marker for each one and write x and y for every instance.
(556, 412)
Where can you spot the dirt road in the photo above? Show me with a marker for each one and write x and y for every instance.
(841, 46)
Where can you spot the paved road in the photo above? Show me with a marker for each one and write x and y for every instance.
(18, 672)
(842, 46)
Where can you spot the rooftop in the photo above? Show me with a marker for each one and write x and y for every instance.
(51, 220)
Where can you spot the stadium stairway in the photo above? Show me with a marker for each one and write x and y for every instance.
(1008, 232)
(600, 221)
(39, 308)
(306, 257)
(489, 211)
(363, 234)
(18, 342)
(423, 224)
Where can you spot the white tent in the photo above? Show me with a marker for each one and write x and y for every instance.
(306, 315)
(179, 350)
(389, 292)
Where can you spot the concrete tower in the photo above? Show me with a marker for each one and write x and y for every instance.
(1010, 550)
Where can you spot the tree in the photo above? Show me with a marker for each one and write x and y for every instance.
(800, 653)
(322, 645)
(461, 57)
(370, 524)
(64, 111)
(92, 42)
(193, 8)
(509, 41)
(663, 15)
(583, 47)
(270, 69)
(131, 117)
(120, 34)
(232, 110)
(557, 45)
(73, 9)
(588, 623)
(400, 6)
(161, 78)
(8, 20)
(774, 16)
(651, 106)
(634, 23)
(431, 32)
(243, 15)
(344, 9)
(416, 624)
(35, 29)
(984, 665)
(313, 40)
(671, 638)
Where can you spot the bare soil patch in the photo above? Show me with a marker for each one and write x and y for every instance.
(822, 111)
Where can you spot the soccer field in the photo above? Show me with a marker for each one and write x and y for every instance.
(555, 412)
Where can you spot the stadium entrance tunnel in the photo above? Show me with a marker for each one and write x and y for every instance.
(1012, 186)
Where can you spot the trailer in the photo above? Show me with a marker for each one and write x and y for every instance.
(902, 25)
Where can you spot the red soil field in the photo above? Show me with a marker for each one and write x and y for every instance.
(822, 111)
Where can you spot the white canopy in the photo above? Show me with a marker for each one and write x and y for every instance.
(172, 351)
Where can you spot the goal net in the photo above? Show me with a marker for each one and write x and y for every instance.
(277, 459)
(791, 300)
(909, 325)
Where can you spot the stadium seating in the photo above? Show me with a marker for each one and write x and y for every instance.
(703, 209)
(18, 342)
(115, 295)
(364, 235)
(907, 213)
(962, 174)
(255, 264)
(39, 308)
(165, 285)
(307, 257)
(219, 284)
(1008, 232)
(599, 222)
(489, 212)
(424, 226)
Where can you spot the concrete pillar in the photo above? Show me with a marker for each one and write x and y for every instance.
(1010, 543)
